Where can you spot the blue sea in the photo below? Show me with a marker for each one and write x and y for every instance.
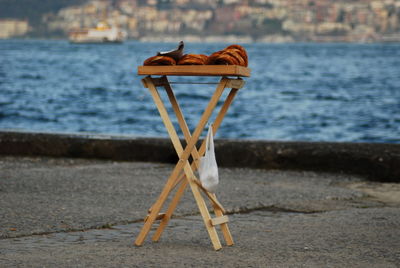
(297, 92)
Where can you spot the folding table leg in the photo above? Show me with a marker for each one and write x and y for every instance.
(183, 162)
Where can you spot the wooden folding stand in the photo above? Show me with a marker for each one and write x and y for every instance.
(183, 173)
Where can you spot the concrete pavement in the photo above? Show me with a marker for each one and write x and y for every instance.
(62, 212)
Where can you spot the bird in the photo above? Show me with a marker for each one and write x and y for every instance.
(176, 54)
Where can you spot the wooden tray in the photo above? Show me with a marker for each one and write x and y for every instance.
(195, 70)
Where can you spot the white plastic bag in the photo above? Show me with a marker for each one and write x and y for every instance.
(208, 169)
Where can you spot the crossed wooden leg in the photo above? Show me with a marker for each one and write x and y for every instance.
(188, 177)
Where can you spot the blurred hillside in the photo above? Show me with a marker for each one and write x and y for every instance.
(215, 20)
(32, 11)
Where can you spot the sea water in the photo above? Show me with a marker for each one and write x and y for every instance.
(296, 92)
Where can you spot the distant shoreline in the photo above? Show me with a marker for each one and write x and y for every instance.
(214, 39)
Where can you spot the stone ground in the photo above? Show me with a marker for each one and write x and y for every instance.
(58, 212)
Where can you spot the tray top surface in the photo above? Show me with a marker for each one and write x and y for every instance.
(195, 70)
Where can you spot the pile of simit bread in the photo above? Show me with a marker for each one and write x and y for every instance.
(231, 55)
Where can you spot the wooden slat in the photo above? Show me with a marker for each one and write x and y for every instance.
(235, 83)
(219, 220)
(195, 70)
(158, 82)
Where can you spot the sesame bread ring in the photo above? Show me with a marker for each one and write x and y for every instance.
(242, 52)
(193, 59)
(235, 53)
(204, 57)
(226, 59)
(159, 60)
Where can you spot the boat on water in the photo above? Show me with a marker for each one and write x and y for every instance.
(103, 33)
